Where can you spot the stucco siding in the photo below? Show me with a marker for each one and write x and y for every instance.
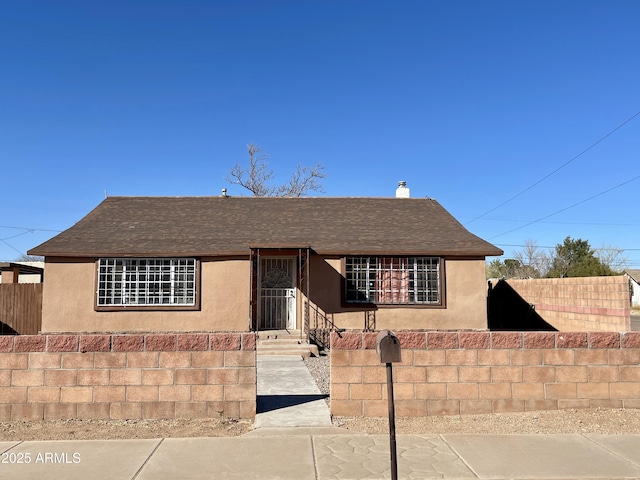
(465, 306)
(69, 302)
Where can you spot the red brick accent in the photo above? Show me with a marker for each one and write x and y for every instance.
(193, 341)
(346, 340)
(508, 340)
(571, 340)
(161, 342)
(442, 340)
(225, 341)
(477, 340)
(6, 343)
(62, 343)
(248, 341)
(412, 340)
(95, 343)
(535, 340)
(604, 340)
(128, 343)
(631, 340)
(30, 343)
(369, 340)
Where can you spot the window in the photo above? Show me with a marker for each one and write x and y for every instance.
(146, 282)
(393, 280)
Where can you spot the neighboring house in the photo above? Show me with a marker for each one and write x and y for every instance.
(634, 280)
(21, 272)
(245, 263)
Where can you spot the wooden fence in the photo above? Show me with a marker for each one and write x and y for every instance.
(20, 308)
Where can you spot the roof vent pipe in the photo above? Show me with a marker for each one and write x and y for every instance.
(402, 191)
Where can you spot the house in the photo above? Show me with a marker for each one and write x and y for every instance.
(159, 264)
(634, 281)
(21, 272)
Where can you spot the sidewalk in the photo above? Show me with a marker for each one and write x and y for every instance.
(327, 453)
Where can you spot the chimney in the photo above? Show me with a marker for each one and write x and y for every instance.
(402, 191)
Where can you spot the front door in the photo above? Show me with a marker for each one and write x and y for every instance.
(277, 294)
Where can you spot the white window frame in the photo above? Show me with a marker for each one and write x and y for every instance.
(394, 280)
(147, 283)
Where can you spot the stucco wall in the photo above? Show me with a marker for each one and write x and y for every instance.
(583, 304)
(465, 290)
(69, 301)
(453, 373)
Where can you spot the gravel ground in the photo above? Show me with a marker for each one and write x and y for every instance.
(598, 420)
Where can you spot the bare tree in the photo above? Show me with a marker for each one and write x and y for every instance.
(257, 175)
(29, 258)
(535, 262)
(612, 257)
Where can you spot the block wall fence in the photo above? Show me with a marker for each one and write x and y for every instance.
(453, 373)
(191, 375)
(585, 304)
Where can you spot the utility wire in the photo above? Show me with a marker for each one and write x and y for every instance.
(599, 224)
(31, 229)
(11, 246)
(567, 208)
(547, 246)
(557, 169)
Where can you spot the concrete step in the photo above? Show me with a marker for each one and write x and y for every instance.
(284, 342)
(281, 341)
(303, 349)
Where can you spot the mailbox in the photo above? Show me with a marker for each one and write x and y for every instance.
(388, 347)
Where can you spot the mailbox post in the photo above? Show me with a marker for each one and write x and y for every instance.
(388, 349)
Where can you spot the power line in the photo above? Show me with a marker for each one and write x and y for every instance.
(598, 224)
(31, 229)
(567, 208)
(547, 246)
(557, 169)
(11, 246)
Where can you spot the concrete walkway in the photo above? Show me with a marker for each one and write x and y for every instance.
(301, 454)
(287, 395)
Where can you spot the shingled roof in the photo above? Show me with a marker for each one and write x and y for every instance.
(212, 226)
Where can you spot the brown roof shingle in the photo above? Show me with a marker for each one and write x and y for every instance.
(202, 226)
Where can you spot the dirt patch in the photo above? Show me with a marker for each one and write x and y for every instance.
(597, 420)
(121, 429)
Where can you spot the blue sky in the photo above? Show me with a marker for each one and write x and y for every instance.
(470, 102)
